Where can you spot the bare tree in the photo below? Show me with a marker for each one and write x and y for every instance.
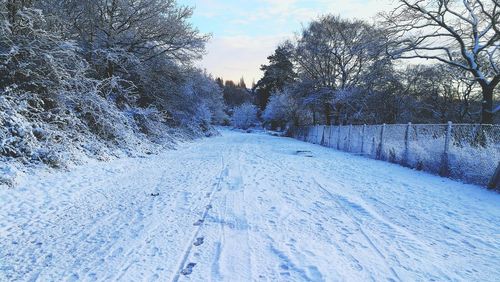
(333, 54)
(464, 34)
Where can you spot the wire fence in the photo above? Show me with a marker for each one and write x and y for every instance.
(469, 152)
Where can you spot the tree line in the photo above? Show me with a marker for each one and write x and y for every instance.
(94, 75)
(423, 62)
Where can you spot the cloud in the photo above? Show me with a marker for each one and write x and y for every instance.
(243, 54)
(232, 57)
(247, 32)
(360, 9)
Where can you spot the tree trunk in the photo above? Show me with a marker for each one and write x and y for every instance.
(495, 179)
(337, 114)
(110, 69)
(328, 114)
(487, 104)
(12, 11)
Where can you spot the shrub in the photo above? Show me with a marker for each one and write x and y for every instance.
(245, 116)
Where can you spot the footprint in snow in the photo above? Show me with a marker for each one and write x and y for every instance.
(189, 269)
(199, 241)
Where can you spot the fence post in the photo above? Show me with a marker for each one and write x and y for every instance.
(338, 137)
(495, 179)
(315, 140)
(363, 139)
(349, 138)
(374, 148)
(407, 144)
(445, 163)
(380, 151)
(318, 137)
(330, 136)
(323, 137)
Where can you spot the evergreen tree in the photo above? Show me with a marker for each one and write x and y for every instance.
(278, 73)
(242, 83)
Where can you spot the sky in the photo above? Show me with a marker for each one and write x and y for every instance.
(246, 32)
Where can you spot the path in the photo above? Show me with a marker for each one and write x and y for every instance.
(246, 207)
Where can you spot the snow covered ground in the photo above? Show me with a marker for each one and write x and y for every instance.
(247, 207)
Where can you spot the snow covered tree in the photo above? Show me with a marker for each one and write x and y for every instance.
(333, 54)
(245, 116)
(115, 33)
(463, 34)
(284, 109)
(97, 75)
(207, 102)
(145, 43)
(344, 75)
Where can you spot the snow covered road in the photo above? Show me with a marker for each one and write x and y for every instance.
(246, 207)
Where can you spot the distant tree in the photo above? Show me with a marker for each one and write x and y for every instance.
(440, 93)
(235, 95)
(220, 82)
(242, 83)
(462, 34)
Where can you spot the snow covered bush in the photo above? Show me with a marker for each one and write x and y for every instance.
(275, 113)
(245, 116)
(37, 68)
(284, 109)
(49, 105)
